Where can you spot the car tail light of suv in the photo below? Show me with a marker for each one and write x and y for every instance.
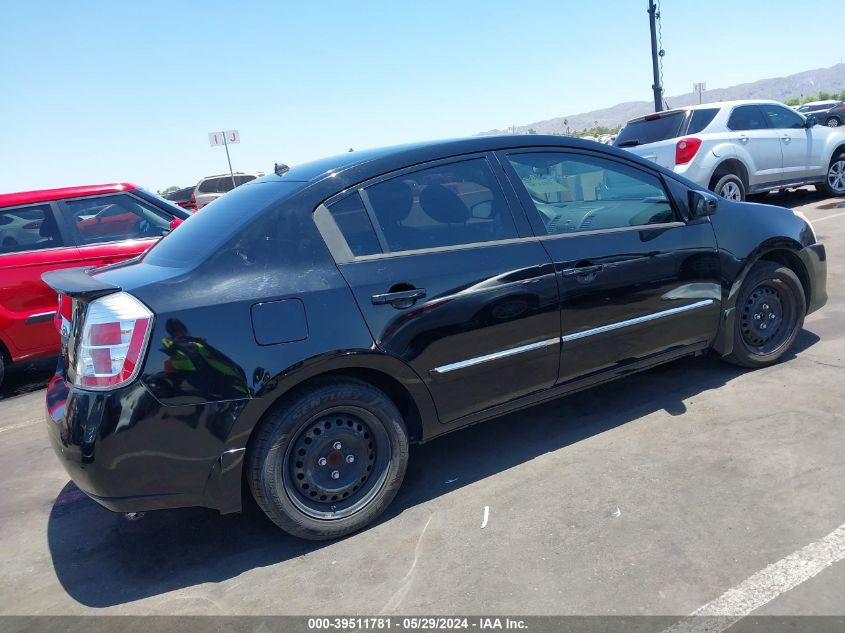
(114, 336)
(685, 149)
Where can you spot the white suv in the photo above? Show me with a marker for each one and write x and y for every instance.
(740, 148)
(212, 187)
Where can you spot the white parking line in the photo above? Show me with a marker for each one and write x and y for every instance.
(19, 425)
(764, 586)
(828, 217)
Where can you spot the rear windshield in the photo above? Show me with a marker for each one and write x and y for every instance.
(205, 231)
(651, 131)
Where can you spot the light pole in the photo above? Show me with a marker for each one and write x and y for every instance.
(653, 16)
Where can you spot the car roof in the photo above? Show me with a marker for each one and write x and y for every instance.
(812, 103)
(707, 106)
(45, 195)
(371, 162)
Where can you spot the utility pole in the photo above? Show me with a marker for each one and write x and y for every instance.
(656, 87)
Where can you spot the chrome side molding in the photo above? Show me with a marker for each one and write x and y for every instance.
(638, 320)
(494, 356)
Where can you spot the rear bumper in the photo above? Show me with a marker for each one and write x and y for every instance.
(128, 452)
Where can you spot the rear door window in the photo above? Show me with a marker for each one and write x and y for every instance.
(209, 185)
(225, 185)
(28, 228)
(114, 218)
(448, 205)
(747, 117)
(654, 128)
(242, 180)
(354, 223)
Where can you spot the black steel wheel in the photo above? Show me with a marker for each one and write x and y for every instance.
(336, 463)
(769, 314)
(329, 460)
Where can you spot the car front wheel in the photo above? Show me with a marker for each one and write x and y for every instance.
(329, 461)
(730, 187)
(770, 311)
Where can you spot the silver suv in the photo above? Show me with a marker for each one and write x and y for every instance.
(212, 187)
(741, 148)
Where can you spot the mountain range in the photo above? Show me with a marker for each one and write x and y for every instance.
(809, 82)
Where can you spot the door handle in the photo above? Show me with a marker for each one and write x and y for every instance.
(581, 271)
(743, 138)
(400, 298)
(786, 138)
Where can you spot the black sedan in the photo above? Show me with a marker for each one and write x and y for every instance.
(307, 328)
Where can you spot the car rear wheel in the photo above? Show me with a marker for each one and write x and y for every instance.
(2, 368)
(329, 461)
(834, 182)
(770, 311)
(730, 186)
(833, 122)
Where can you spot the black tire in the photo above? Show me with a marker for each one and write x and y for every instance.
(833, 122)
(305, 440)
(2, 367)
(770, 297)
(730, 183)
(834, 180)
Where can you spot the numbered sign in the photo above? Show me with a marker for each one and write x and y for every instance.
(230, 136)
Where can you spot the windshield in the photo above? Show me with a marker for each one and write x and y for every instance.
(201, 234)
(651, 130)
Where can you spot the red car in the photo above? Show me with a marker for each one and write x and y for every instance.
(63, 228)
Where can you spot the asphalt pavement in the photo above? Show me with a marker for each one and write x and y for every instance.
(685, 488)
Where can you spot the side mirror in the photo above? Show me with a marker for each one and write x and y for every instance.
(702, 203)
(175, 222)
(482, 210)
(811, 121)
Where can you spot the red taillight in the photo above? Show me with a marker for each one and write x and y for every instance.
(685, 149)
(175, 222)
(114, 336)
(105, 334)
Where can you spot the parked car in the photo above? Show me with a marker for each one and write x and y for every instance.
(331, 314)
(183, 198)
(739, 148)
(830, 113)
(212, 187)
(60, 228)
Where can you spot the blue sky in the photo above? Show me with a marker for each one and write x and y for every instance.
(106, 91)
